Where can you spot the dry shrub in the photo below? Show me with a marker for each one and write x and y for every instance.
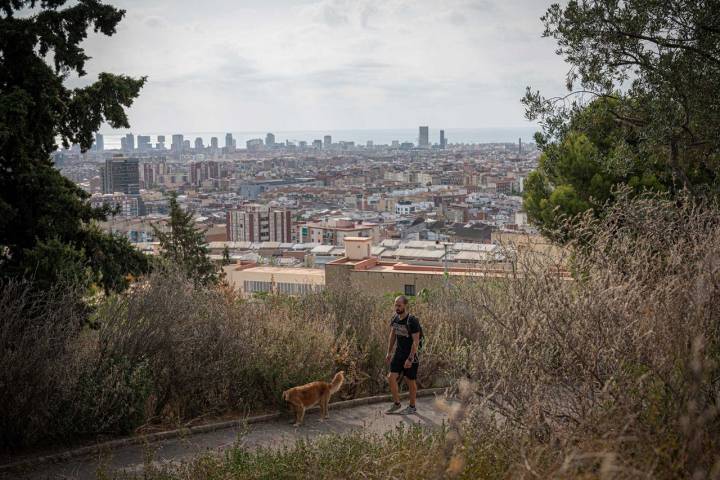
(53, 386)
(361, 323)
(613, 373)
(210, 353)
(169, 351)
(36, 332)
(616, 374)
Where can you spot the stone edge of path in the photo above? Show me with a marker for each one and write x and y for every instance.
(185, 431)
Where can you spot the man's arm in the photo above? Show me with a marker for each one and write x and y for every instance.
(391, 344)
(413, 349)
(391, 341)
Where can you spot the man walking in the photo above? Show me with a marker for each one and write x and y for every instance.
(405, 334)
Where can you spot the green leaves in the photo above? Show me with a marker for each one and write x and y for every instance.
(47, 227)
(183, 246)
(61, 32)
(644, 92)
(51, 262)
(113, 258)
(104, 100)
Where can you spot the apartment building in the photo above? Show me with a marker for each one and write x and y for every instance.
(258, 223)
(334, 231)
(204, 170)
(122, 175)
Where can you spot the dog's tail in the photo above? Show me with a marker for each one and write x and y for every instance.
(337, 382)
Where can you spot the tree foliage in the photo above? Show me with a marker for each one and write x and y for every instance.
(183, 246)
(580, 170)
(46, 223)
(643, 107)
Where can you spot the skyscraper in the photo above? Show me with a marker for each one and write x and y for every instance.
(147, 174)
(519, 146)
(177, 142)
(327, 141)
(317, 144)
(199, 143)
(229, 142)
(270, 140)
(99, 142)
(443, 141)
(130, 142)
(160, 145)
(121, 174)
(214, 143)
(424, 139)
(144, 143)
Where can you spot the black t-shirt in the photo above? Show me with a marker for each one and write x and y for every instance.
(404, 328)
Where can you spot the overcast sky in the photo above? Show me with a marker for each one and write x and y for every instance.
(218, 65)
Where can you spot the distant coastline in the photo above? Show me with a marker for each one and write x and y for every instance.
(359, 136)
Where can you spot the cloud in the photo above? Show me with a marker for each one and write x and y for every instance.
(154, 21)
(333, 16)
(314, 64)
(367, 12)
(485, 6)
(457, 18)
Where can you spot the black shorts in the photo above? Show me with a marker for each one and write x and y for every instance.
(398, 366)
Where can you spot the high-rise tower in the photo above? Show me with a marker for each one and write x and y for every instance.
(424, 137)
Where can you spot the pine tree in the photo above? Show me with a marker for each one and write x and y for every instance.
(183, 246)
(642, 109)
(48, 231)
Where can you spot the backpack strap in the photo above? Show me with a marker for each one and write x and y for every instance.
(422, 334)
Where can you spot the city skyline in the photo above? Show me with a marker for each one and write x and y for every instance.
(114, 139)
(328, 64)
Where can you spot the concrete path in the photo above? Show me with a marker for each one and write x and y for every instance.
(369, 418)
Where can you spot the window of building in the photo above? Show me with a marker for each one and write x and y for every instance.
(410, 290)
(297, 288)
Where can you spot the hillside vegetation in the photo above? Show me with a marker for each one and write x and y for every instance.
(616, 373)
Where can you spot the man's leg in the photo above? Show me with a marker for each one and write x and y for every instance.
(412, 388)
(392, 381)
(410, 376)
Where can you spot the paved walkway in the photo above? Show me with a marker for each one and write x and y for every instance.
(278, 433)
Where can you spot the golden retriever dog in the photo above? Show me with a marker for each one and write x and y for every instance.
(305, 396)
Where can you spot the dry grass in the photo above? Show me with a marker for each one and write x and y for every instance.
(405, 453)
(615, 375)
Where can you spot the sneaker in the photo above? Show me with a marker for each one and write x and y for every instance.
(394, 408)
(409, 410)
